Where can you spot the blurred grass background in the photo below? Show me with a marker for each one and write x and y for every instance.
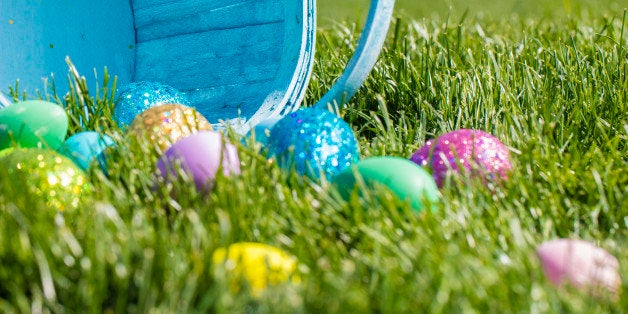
(356, 10)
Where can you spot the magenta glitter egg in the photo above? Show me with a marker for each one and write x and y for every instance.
(202, 155)
(472, 152)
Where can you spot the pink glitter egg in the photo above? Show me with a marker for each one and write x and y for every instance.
(579, 263)
(464, 151)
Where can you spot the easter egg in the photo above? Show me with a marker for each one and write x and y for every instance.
(33, 123)
(261, 131)
(132, 99)
(259, 264)
(48, 175)
(313, 142)
(402, 177)
(164, 125)
(85, 147)
(471, 152)
(579, 263)
(201, 155)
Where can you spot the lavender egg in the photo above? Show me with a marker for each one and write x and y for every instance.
(472, 152)
(313, 142)
(201, 155)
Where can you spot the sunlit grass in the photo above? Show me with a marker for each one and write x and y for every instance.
(554, 90)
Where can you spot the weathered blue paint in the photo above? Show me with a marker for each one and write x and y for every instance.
(242, 61)
(36, 36)
(230, 56)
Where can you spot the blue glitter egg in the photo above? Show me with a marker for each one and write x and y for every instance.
(313, 142)
(132, 99)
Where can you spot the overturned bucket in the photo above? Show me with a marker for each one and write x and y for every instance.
(241, 61)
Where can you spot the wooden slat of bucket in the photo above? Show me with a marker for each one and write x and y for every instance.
(223, 100)
(295, 68)
(188, 17)
(234, 58)
(211, 58)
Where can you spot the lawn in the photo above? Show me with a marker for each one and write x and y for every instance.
(548, 78)
(351, 10)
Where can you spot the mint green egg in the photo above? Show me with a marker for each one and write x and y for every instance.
(407, 180)
(33, 124)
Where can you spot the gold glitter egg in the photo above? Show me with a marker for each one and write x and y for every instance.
(47, 174)
(166, 124)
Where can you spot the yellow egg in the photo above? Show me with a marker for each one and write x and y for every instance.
(259, 264)
(166, 124)
(47, 174)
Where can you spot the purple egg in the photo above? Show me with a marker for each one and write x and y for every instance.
(472, 152)
(201, 155)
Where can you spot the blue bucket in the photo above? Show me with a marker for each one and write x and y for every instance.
(237, 60)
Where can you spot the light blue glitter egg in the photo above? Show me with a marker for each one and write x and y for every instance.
(313, 142)
(85, 147)
(132, 99)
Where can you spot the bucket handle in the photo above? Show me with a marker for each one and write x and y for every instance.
(366, 54)
(4, 101)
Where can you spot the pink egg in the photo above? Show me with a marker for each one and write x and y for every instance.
(472, 152)
(580, 263)
(201, 155)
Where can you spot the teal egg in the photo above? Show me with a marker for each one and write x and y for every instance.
(408, 181)
(261, 131)
(85, 147)
(33, 124)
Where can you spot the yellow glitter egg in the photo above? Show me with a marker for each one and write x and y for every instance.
(47, 174)
(166, 124)
(259, 264)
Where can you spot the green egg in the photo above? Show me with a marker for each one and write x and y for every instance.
(407, 180)
(33, 124)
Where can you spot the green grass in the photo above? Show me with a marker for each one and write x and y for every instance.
(356, 10)
(555, 90)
